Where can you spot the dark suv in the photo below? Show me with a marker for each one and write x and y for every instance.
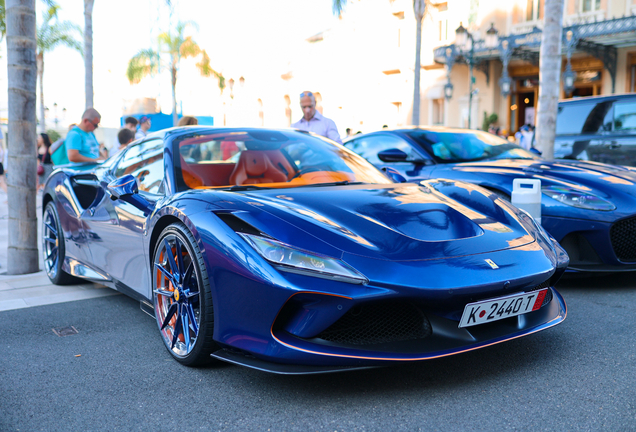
(600, 128)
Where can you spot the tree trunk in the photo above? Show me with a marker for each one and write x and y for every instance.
(22, 75)
(39, 60)
(173, 76)
(88, 52)
(549, 77)
(418, 8)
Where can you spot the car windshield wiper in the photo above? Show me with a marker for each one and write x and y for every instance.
(237, 188)
(339, 183)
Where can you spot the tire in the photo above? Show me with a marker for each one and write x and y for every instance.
(182, 297)
(53, 249)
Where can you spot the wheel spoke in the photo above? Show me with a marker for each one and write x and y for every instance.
(180, 265)
(173, 264)
(186, 327)
(173, 309)
(165, 293)
(166, 273)
(50, 240)
(187, 276)
(176, 331)
(50, 227)
(193, 321)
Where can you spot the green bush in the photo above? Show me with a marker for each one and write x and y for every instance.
(488, 120)
(54, 135)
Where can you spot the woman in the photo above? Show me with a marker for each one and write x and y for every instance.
(188, 121)
(44, 159)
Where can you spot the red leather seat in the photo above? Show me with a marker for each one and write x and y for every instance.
(255, 167)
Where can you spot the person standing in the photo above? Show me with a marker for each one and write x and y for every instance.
(44, 159)
(188, 121)
(3, 183)
(81, 144)
(125, 137)
(144, 127)
(131, 124)
(315, 122)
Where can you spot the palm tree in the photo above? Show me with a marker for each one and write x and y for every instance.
(88, 51)
(21, 48)
(3, 23)
(172, 48)
(51, 34)
(549, 76)
(419, 7)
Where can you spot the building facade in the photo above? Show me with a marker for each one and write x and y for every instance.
(598, 49)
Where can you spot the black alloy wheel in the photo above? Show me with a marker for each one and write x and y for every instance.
(182, 298)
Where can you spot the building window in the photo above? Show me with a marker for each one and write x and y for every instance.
(438, 111)
(590, 5)
(442, 22)
(533, 10)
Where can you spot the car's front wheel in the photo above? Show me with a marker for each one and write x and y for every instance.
(182, 298)
(53, 247)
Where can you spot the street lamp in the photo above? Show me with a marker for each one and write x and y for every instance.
(569, 76)
(231, 83)
(492, 38)
(448, 90)
(462, 37)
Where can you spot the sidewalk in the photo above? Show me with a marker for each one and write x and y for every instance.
(23, 291)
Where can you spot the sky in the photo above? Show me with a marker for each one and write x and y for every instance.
(241, 37)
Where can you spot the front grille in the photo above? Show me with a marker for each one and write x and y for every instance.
(548, 295)
(623, 238)
(378, 323)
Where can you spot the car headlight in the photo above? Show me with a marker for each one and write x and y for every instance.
(287, 258)
(576, 198)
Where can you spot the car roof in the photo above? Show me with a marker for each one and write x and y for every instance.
(426, 128)
(597, 98)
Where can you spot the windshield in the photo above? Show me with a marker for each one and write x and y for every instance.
(268, 159)
(465, 146)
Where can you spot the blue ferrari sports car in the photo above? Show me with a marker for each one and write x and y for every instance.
(589, 207)
(285, 252)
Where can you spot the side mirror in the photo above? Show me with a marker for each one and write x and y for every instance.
(125, 188)
(393, 174)
(392, 155)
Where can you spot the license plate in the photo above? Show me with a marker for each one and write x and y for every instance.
(502, 307)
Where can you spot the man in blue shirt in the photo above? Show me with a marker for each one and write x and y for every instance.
(81, 144)
(313, 121)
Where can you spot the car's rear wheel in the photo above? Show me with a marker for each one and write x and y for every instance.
(53, 247)
(182, 298)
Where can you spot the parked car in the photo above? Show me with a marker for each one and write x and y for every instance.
(600, 129)
(285, 252)
(589, 207)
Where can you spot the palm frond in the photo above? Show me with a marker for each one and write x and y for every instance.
(189, 48)
(338, 6)
(141, 65)
(60, 33)
(206, 70)
(3, 23)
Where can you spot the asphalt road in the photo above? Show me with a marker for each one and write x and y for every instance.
(116, 375)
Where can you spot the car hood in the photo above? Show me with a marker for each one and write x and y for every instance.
(610, 180)
(397, 222)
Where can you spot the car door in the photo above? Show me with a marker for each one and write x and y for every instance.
(117, 227)
(582, 130)
(368, 146)
(622, 145)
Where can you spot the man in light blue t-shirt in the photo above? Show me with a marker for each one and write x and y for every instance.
(81, 144)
